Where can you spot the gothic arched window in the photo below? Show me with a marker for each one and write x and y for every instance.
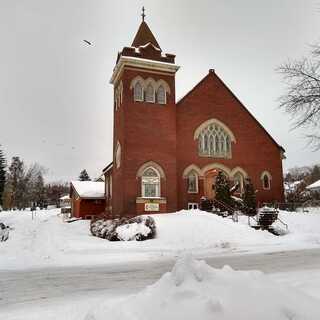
(150, 93)
(239, 180)
(150, 183)
(138, 92)
(214, 141)
(192, 182)
(266, 180)
(118, 155)
(161, 95)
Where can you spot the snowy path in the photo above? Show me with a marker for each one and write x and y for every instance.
(18, 287)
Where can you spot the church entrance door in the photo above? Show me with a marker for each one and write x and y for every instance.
(209, 184)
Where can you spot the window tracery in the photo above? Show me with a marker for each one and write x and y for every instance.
(214, 141)
(150, 183)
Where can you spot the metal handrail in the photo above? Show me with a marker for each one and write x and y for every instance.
(232, 210)
(228, 208)
(286, 226)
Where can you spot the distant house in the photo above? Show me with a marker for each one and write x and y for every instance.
(87, 199)
(65, 201)
(314, 187)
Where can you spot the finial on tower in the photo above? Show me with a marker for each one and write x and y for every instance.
(143, 13)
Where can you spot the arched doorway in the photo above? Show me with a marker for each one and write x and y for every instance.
(210, 181)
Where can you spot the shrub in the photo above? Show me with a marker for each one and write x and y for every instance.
(124, 229)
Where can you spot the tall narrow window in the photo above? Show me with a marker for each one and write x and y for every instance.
(150, 93)
(239, 180)
(110, 186)
(266, 180)
(138, 92)
(192, 183)
(118, 155)
(161, 95)
(150, 183)
(107, 187)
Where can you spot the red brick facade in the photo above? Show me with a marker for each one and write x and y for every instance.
(163, 136)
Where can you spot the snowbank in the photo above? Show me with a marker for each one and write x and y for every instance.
(46, 241)
(194, 290)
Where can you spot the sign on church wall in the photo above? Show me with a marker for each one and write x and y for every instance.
(151, 207)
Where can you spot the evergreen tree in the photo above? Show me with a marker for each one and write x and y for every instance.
(84, 175)
(249, 199)
(2, 176)
(315, 174)
(40, 190)
(18, 183)
(222, 189)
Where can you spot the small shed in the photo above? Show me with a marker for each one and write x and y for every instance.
(87, 199)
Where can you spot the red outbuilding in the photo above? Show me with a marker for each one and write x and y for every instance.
(87, 199)
(168, 153)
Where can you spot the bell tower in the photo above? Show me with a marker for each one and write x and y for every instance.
(144, 175)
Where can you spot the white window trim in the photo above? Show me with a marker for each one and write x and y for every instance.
(269, 182)
(263, 174)
(155, 84)
(197, 182)
(193, 204)
(153, 96)
(158, 186)
(142, 92)
(110, 187)
(165, 96)
(118, 155)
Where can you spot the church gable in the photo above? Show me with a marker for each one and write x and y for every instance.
(212, 99)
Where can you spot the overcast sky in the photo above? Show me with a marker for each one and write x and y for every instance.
(55, 96)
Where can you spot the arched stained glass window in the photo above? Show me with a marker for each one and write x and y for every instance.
(239, 180)
(150, 93)
(138, 92)
(266, 182)
(161, 95)
(192, 182)
(150, 183)
(215, 142)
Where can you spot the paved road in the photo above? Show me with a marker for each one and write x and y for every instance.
(35, 285)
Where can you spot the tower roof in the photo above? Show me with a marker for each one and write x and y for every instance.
(144, 36)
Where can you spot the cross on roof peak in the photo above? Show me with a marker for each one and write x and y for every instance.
(143, 15)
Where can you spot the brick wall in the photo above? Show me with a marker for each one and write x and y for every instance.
(254, 150)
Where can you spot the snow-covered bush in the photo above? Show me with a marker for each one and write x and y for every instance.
(4, 232)
(138, 228)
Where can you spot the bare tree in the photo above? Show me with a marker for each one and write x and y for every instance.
(302, 99)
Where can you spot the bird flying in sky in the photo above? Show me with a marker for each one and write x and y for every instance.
(87, 42)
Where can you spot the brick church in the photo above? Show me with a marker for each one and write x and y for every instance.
(167, 153)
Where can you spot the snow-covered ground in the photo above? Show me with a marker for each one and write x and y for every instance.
(194, 290)
(287, 294)
(46, 241)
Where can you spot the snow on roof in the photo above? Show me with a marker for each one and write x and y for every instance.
(89, 189)
(292, 185)
(65, 197)
(315, 185)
